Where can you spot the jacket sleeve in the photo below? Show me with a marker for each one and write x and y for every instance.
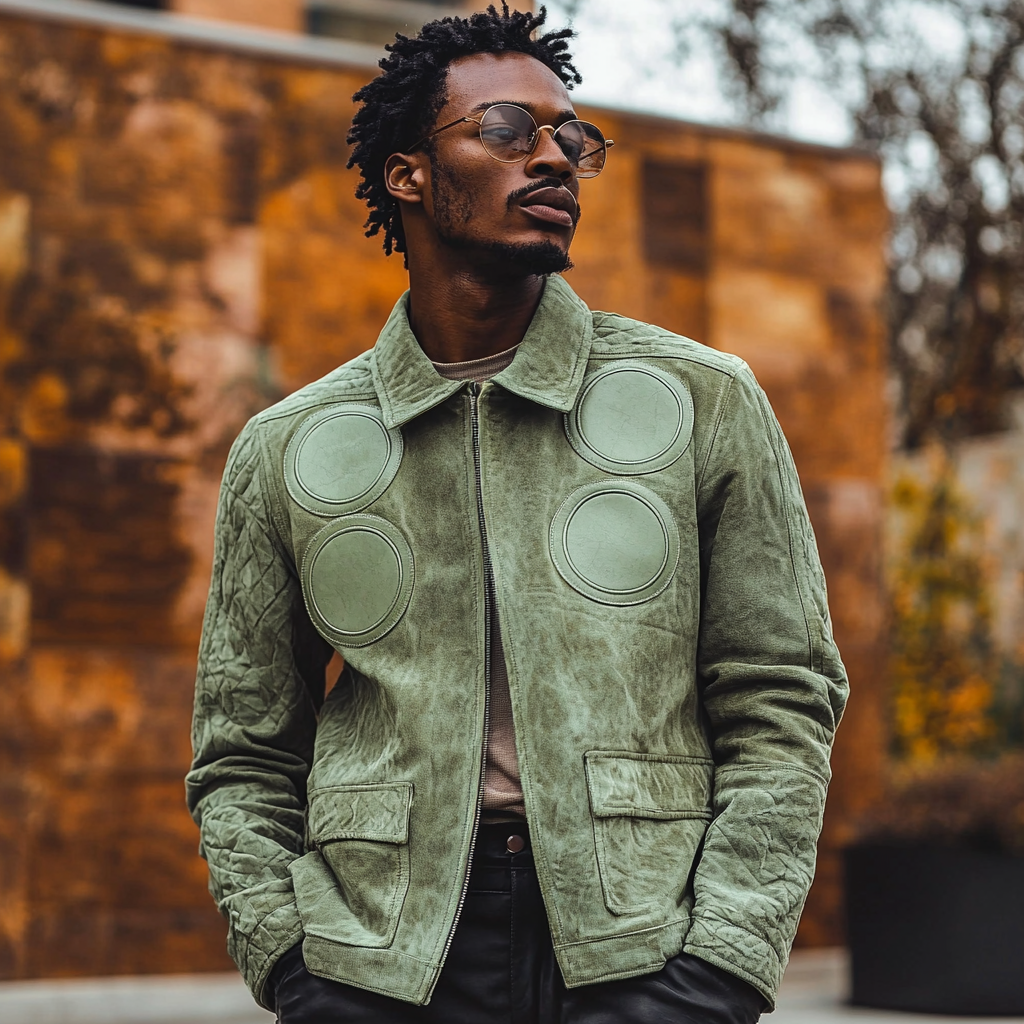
(773, 689)
(254, 722)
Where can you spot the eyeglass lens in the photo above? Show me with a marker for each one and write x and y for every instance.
(508, 133)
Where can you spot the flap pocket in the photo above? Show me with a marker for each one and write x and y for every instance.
(661, 786)
(375, 812)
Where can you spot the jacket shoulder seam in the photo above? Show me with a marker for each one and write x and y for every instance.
(773, 433)
(350, 382)
(276, 516)
(283, 411)
(614, 336)
(723, 401)
(661, 350)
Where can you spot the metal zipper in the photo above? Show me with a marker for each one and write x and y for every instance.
(475, 390)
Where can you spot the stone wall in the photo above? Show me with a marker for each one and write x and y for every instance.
(179, 247)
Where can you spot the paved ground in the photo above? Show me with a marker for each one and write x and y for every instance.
(816, 985)
(177, 999)
(812, 993)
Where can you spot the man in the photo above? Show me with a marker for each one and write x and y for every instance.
(575, 765)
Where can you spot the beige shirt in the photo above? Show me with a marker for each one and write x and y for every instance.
(503, 791)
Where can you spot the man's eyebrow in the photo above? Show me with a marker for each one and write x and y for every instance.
(563, 115)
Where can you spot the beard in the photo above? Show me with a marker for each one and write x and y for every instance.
(529, 258)
(453, 210)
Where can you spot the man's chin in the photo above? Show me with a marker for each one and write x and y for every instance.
(520, 259)
(530, 258)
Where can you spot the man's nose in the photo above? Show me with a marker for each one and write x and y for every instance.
(547, 159)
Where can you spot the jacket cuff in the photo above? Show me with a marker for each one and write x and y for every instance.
(263, 924)
(737, 951)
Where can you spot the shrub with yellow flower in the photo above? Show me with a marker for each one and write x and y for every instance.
(945, 665)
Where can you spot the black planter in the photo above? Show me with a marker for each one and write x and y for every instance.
(935, 929)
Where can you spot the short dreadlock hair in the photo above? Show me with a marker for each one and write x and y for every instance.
(400, 106)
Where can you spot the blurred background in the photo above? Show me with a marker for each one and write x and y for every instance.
(831, 189)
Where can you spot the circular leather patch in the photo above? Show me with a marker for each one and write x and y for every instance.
(357, 578)
(341, 459)
(631, 418)
(616, 543)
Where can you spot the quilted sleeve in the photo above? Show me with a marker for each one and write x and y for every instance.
(254, 722)
(773, 688)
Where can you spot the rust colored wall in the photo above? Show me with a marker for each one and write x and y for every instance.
(179, 246)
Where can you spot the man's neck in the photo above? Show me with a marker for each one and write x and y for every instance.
(459, 315)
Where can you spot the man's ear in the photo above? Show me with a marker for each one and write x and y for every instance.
(405, 176)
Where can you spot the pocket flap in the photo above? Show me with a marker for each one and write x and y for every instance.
(377, 812)
(648, 785)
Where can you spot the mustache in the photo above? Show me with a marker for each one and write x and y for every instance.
(536, 186)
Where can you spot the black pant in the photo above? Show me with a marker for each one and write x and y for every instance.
(501, 969)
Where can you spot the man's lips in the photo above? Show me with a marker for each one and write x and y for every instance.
(551, 205)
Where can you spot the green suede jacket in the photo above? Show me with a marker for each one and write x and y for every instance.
(674, 681)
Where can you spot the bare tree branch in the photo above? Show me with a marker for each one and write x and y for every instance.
(952, 129)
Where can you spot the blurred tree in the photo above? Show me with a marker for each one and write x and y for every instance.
(943, 662)
(937, 88)
(953, 690)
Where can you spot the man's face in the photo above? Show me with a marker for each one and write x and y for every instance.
(515, 214)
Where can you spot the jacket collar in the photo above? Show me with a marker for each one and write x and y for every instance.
(548, 367)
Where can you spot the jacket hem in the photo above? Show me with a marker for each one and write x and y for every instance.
(614, 957)
(370, 969)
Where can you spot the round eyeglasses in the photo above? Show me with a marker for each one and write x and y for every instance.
(509, 134)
